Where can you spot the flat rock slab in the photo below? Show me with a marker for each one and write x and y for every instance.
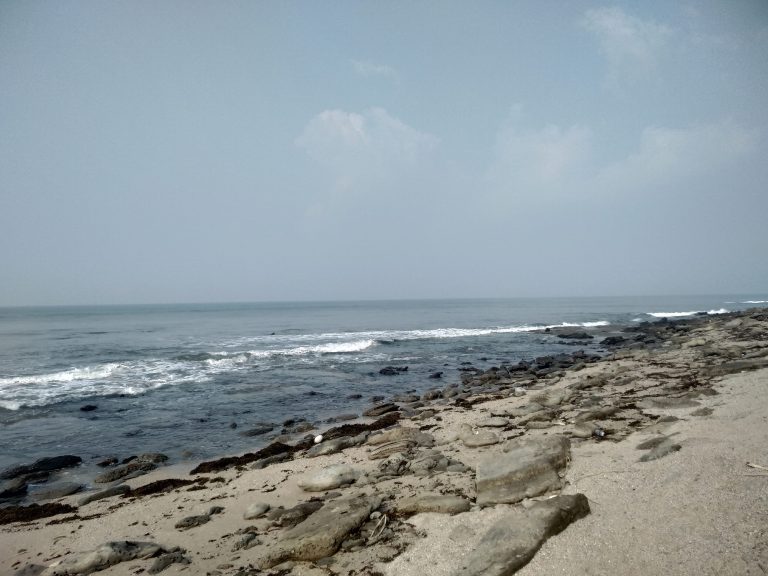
(491, 542)
(526, 467)
(403, 433)
(440, 503)
(494, 422)
(321, 534)
(58, 490)
(118, 490)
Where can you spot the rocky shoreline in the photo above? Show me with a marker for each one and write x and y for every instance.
(470, 478)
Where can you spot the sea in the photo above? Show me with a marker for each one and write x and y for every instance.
(188, 379)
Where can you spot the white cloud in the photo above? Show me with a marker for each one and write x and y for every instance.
(359, 148)
(556, 163)
(368, 69)
(541, 163)
(631, 45)
(673, 157)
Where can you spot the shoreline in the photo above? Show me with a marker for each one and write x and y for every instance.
(676, 369)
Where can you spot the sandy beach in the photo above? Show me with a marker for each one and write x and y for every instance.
(650, 460)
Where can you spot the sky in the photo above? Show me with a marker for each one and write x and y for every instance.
(185, 151)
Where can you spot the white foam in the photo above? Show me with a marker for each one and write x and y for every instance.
(73, 375)
(755, 302)
(683, 314)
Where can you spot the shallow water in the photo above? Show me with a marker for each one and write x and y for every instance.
(176, 378)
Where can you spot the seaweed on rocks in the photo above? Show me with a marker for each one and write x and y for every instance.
(157, 487)
(385, 421)
(33, 512)
(231, 461)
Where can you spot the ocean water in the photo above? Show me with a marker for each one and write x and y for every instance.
(186, 380)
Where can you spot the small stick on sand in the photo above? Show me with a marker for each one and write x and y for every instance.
(753, 465)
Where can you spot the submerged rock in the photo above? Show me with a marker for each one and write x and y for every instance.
(41, 465)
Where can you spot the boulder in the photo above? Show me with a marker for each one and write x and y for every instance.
(476, 438)
(329, 478)
(526, 467)
(403, 433)
(135, 467)
(256, 510)
(336, 445)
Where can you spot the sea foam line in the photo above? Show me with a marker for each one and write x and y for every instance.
(683, 314)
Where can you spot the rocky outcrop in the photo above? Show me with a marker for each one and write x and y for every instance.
(511, 542)
(321, 534)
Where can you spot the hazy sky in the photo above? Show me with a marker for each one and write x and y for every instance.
(244, 151)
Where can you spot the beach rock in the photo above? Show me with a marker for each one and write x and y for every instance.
(493, 422)
(526, 467)
(406, 398)
(660, 450)
(11, 514)
(380, 409)
(475, 439)
(440, 503)
(385, 421)
(290, 517)
(41, 465)
(613, 341)
(199, 520)
(432, 394)
(58, 490)
(321, 534)
(256, 510)
(108, 493)
(329, 478)
(173, 556)
(389, 448)
(414, 435)
(107, 462)
(104, 556)
(246, 541)
(336, 445)
(159, 486)
(511, 541)
(126, 470)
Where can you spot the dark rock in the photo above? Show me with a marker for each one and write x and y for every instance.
(393, 370)
(432, 394)
(231, 461)
(380, 409)
(258, 429)
(354, 397)
(33, 512)
(436, 375)
(158, 486)
(107, 462)
(385, 421)
(88, 408)
(42, 465)
(613, 341)
(14, 488)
